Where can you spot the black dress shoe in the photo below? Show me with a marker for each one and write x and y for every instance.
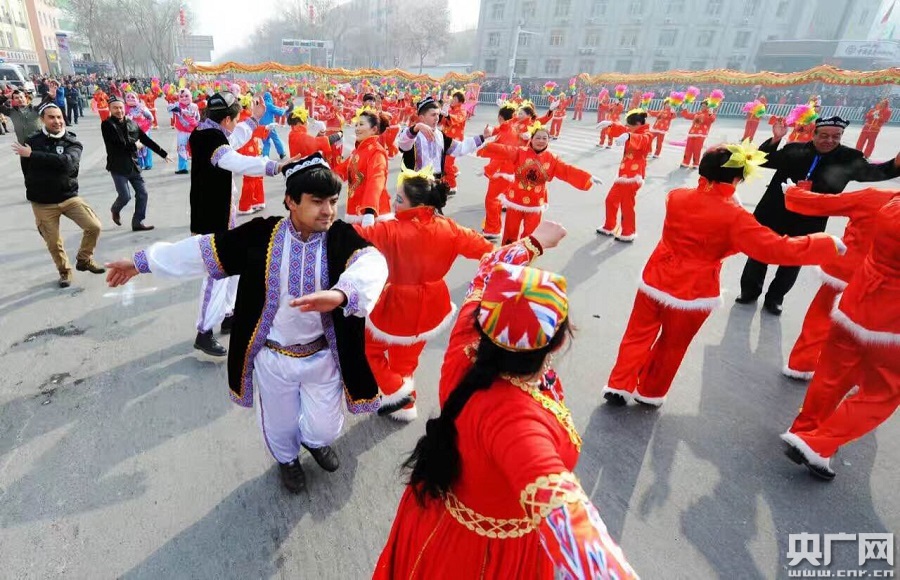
(141, 227)
(797, 457)
(181, 172)
(772, 308)
(741, 299)
(615, 399)
(117, 219)
(292, 476)
(227, 323)
(207, 343)
(385, 410)
(325, 457)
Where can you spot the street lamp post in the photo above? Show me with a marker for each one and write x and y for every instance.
(515, 52)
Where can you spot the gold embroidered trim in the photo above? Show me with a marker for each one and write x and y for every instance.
(486, 526)
(529, 245)
(555, 490)
(559, 410)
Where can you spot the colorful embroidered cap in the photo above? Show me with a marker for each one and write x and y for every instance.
(522, 307)
(832, 122)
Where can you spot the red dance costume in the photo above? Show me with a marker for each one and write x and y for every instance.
(453, 125)
(701, 121)
(603, 105)
(526, 200)
(875, 119)
(661, 126)
(624, 190)
(614, 115)
(517, 510)
(680, 283)
(559, 115)
(863, 348)
(415, 305)
(365, 172)
(862, 208)
(802, 133)
(253, 193)
(500, 174)
(580, 102)
(300, 142)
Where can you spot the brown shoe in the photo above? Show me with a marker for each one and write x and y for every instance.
(65, 278)
(90, 266)
(116, 218)
(141, 227)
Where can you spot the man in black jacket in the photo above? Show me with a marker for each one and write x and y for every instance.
(121, 137)
(824, 166)
(50, 161)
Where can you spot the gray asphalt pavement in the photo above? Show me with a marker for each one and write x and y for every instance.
(121, 455)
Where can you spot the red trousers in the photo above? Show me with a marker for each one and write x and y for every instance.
(827, 420)
(693, 150)
(155, 121)
(450, 171)
(658, 139)
(555, 126)
(750, 129)
(519, 224)
(605, 137)
(866, 142)
(493, 219)
(621, 195)
(253, 193)
(172, 120)
(655, 341)
(391, 364)
(579, 112)
(805, 353)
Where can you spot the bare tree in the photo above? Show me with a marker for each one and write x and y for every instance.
(424, 28)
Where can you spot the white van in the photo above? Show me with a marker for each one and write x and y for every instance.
(12, 74)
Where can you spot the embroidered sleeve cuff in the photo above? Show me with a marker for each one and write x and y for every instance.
(271, 168)
(532, 245)
(141, 262)
(211, 257)
(252, 123)
(220, 152)
(410, 132)
(549, 492)
(479, 140)
(352, 305)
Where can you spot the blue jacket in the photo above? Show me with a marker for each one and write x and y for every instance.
(61, 98)
(271, 110)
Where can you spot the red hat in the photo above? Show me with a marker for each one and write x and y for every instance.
(522, 307)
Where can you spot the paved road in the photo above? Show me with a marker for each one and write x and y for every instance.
(121, 456)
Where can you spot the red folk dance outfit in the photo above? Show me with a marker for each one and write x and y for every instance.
(875, 119)
(802, 133)
(517, 510)
(660, 127)
(500, 174)
(603, 106)
(300, 142)
(701, 121)
(752, 123)
(862, 208)
(453, 125)
(680, 283)
(624, 190)
(615, 115)
(526, 199)
(863, 348)
(559, 115)
(253, 192)
(365, 172)
(580, 102)
(415, 305)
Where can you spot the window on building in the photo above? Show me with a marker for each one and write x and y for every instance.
(660, 65)
(521, 66)
(497, 11)
(591, 38)
(586, 66)
(551, 66)
(490, 65)
(675, 7)
(742, 40)
(557, 37)
(735, 63)
(751, 7)
(698, 65)
(628, 39)
(524, 40)
(598, 8)
(529, 9)
(562, 8)
(623, 66)
(636, 7)
(782, 9)
(667, 38)
(714, 7)
(705, 38)
(493, 39)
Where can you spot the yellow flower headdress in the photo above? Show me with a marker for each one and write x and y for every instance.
(427, 172)
(745, 155)
(300, 113)
(638, 111)
(361, 110)
(535, 127)
(245, 101)
(508, 105)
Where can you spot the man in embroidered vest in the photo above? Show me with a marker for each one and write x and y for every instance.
(307, 283)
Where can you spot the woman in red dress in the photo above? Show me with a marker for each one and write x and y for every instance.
(491, 491)
(415, 304)
(365, 172)
(301, 143)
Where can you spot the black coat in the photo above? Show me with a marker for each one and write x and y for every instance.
(831, 175)
(121, 139)
(210, 184)
(51, 172)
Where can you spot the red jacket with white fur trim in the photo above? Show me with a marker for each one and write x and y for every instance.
(705, 225)
(634, 162)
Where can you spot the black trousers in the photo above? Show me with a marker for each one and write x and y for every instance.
(754, 276)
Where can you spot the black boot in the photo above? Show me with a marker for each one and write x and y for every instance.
(292, 476)
(226, 324)
(325, 457)
(385, 410)
(772, 308)
(819, 471)
(207, 343)
(741, 299)
(615, 399)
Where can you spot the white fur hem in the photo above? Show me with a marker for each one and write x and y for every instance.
(626, 394)
(405, 389)
(863, 334)
(523, 208)
(655, 401)
(636, 179)
(799, 375)
(800, 445)
(357, 219)
(697, 135)
(628, 238)
(830, 280)
(667, 299)
(408, 340)
(405, 415)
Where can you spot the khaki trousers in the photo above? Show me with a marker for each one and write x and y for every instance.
(46, 217)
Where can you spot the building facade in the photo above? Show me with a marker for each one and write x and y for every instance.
(16, 42)
(43, 17)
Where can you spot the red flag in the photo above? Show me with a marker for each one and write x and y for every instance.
(887, 15)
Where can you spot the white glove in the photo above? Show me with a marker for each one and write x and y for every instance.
(554, 105)
(622, 139)
(368, 220)
(787, 185)
(596, 180)
(841, 246)
(604, 124)
(526, 136)
(507, 176)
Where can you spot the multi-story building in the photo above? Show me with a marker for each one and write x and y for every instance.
(561, 38)
(16, 42)
(43, 17)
